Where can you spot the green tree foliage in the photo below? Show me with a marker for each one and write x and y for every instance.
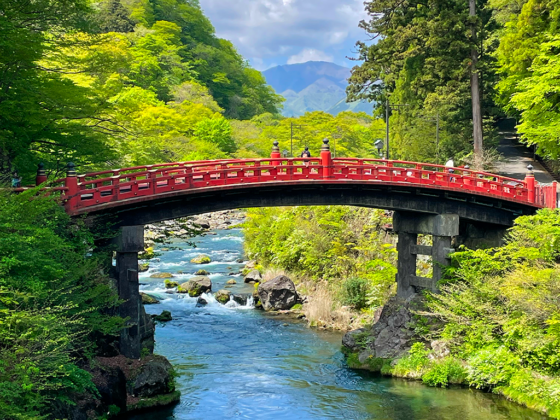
(43, 115)
(350, 134)
(528, 59)
(420, 58)
(51, 298)
(500, 315)
(331, 243)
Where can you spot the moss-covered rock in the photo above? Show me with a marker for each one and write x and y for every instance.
(171, 284)
(223, 296)
(142, 268)
(148, 300)
(196, 286)
(202, 273)
(162, 276)
(232, 281)
(165, 316)
(201, 259)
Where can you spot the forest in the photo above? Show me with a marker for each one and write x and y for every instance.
(118, 83)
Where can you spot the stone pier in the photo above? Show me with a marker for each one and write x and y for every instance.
(408, 226)
(129, 243)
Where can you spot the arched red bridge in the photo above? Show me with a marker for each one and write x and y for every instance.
(143, 187)
(462, 207)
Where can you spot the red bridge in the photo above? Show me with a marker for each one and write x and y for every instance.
(459, 207)
(121, 189)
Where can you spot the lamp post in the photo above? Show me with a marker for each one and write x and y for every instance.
(285, 153)
(379, 146)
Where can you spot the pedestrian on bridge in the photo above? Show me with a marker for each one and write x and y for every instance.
(450, 165)
(306, 154)
(16, 180)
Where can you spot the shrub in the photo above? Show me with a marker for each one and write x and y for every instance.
(355, 292)
(413, 364)
(443, 372)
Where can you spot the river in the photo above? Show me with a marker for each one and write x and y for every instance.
(239, 363)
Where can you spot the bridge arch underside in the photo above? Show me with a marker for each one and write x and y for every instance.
(479, 210)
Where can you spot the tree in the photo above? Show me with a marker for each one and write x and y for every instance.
(422, 58)
(43, 116)
(114, 17)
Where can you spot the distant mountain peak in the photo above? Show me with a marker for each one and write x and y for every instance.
(313, 86)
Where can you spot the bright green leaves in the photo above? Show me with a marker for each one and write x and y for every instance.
(537, 97)
(217, 131)
(52, 296)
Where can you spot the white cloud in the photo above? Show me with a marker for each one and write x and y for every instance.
(278, 30)
(309, 54)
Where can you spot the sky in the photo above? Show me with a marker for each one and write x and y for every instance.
(275, 32)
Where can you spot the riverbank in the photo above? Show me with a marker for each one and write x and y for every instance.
(243, 362)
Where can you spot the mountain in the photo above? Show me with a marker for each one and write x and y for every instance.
(313, 86)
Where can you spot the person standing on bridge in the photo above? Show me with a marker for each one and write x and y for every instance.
(16, 180)
(306, 154)
(450, 165)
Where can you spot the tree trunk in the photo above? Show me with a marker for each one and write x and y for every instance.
(475, 93)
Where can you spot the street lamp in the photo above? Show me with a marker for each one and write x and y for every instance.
(379, 146)
(285, 153)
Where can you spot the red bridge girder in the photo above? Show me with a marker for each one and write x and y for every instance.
(114, 188)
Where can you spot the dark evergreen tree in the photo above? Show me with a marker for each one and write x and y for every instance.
(114, 17)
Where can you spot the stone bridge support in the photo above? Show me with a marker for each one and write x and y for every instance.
(129, 243)
(408, 226)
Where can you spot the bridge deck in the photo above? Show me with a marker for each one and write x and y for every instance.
(117, 187)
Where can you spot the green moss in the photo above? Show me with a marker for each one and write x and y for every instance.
(201, 259)
(201, 273)
(158, 401)
(170, 284)
(297, 307)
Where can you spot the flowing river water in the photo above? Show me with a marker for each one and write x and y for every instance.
(235, 362)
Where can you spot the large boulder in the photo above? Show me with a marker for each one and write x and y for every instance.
(277, 294)
(155, 377)
(254, 276)
(196, 286)
(223, 296)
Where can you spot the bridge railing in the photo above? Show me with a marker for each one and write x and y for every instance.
(88, 190)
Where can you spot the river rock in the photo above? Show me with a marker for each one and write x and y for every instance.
(232, 281)
(392, 335)
(201, 273)
(278, 293)
(148, 300)
(165, 316)
(201, 301)
(162, 276)
(153, 378)
(251, 264)
(142, 268)
(223, 296)
(253, 277)
(201, 259)
(171, 284)
(241, 299)
(196, 286)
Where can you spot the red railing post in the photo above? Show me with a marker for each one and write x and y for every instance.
(275, 154)
(326, 159)
(554, 195)
(71, 184)
(41, 177)
(530, 181)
